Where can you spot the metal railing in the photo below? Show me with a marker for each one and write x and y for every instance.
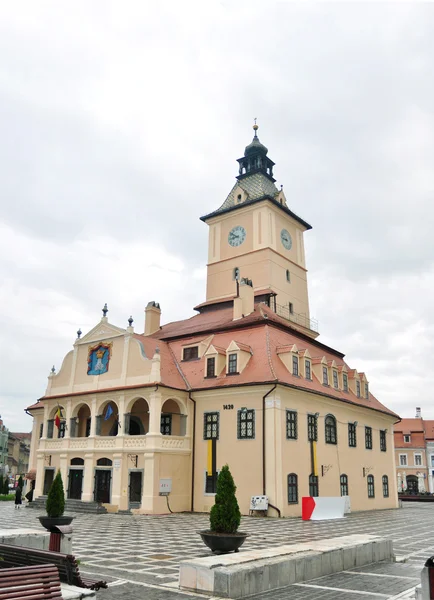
(300, 319)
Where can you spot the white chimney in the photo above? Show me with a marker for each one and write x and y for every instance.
(418, 412)
(152, 317)
(244, 303)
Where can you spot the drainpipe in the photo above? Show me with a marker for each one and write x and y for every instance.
(263, 446)
(193, 450)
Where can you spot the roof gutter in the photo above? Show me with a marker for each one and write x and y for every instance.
(263, 447)
(193, 450)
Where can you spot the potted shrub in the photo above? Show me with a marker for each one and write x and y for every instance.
(55, 506)
(223, 535)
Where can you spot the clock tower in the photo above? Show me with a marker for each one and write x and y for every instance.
(255, 235)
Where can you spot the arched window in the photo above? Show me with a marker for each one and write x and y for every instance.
(77, 461)
(313, 485)
(371, 488)
(292, 488)
(385, 486)
(103, 462)
(344, 485)
(330, 430)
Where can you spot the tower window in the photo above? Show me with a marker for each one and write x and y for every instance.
(236, 274)
(288, 276)
(291, 308)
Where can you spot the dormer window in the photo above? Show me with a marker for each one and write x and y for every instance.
(335, 379)
(307, 369)
(345, 382)
(295, 365)
(366, 391)
(358, 389)
(232, 364)
(210, 367)
(325, 376)
(191, 353)
(407, 439)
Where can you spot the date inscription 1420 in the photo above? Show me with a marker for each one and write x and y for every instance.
(228, 406)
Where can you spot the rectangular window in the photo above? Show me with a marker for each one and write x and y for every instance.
(291, 425)
(368, 438)
(352, 436)
(383, 446)
(345, 382)
(407, 439)
(385, 486)
(312, 429)
(211, 426)
(371, 489)
(418, 460)
(62, 429)
(50, 428)
(246, 424)
(432, 460)
(232, 366)
(307, 369)
(313, 486)
(358, 389)
(191, 353)
(403, 460)
(166, 424)
(210, 367)
(325, 376)
(335, 379)
(291, 308)
(366, 391)
(295, 365)
(292, 489)
(211, 483)
(41, 429)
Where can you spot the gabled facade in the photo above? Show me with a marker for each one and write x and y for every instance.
(244, 382)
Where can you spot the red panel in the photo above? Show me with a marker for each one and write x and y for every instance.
(307, 507)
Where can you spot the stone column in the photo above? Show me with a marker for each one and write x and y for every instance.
(40, 473)
(88, 478)
(68, 411)
(93, 418)
(149, 478)
(155, 404)
(116, 484)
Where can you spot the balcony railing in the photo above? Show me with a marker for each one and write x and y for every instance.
(298, 318)
(118, 442)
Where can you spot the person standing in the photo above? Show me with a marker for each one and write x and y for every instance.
(18, 497)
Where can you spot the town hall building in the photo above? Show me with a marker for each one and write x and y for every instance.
(133, 415)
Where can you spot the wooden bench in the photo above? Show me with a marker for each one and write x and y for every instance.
(18, 556)
(32, 583)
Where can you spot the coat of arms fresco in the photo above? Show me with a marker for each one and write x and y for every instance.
(98, 359)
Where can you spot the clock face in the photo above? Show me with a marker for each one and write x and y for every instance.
(236, 236)
(286, 239)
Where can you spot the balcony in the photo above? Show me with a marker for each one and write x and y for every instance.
(297, 318)
(119, 443)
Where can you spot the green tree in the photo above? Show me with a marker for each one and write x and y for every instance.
(225, 515)
(55, 504)
(20, 482)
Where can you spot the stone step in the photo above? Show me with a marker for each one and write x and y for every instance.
(71, 506)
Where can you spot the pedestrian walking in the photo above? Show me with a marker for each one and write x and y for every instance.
(18, 497)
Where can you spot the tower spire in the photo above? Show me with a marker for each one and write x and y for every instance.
(255, 159)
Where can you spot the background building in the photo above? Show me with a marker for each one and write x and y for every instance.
(4, 435)
(245, 381)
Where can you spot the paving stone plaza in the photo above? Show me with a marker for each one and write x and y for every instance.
(140, 555)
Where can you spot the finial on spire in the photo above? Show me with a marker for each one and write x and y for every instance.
(105, 310)
(53, 370)
(255, 128)
(79, 332)
(130, 321)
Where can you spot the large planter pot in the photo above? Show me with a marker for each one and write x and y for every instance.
(223, 542)
(50, 523)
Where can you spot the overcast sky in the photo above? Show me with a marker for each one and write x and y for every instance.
(121, 123)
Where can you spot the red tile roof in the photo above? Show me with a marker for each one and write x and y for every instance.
(410, 425)
(429, 429)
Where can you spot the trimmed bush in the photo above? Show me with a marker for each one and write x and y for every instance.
(7, 498)
(55, 504)
(225, 516)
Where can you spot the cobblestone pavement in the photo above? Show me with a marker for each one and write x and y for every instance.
(140, 555)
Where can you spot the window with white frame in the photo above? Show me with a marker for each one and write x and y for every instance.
(403, 460)
(307, 371)
(246, 424)
(358, 389)
(295, 365)
(345, 382)
(325, 376)
(418, 460)
(335, 379)
(407, 439)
